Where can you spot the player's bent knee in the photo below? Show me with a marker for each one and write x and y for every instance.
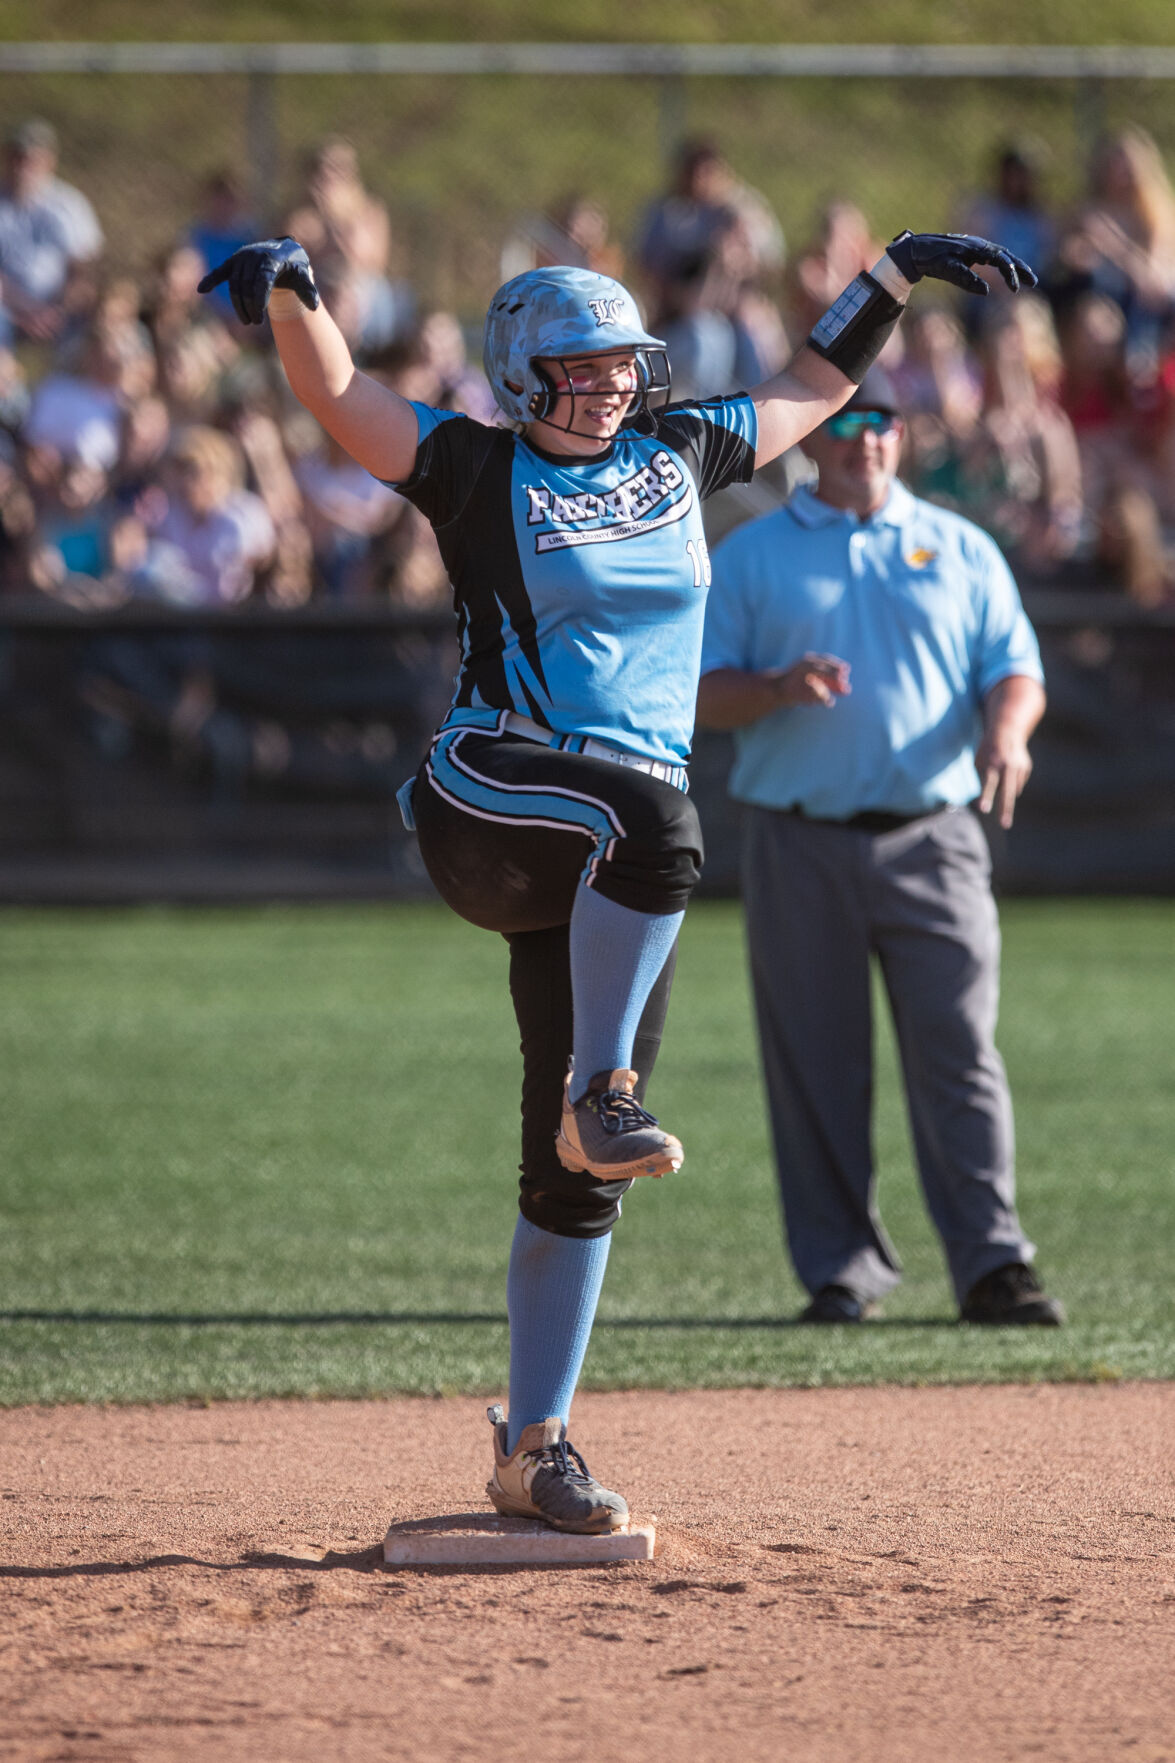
(570, 1205)
(656, 867)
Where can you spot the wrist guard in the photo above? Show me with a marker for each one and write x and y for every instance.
(856, 326)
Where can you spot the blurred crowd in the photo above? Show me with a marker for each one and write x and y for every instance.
(149, 446)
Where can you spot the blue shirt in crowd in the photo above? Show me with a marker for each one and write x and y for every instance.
(924, 609)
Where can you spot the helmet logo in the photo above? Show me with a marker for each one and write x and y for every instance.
(606, 311)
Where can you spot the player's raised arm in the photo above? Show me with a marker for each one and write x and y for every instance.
(844, 343)
(273, 279)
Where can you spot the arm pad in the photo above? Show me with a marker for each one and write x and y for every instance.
(856, 326)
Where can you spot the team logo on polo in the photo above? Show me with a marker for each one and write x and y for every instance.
(654, 496)
(608, 310)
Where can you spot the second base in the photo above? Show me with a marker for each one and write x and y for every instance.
(477, 1539)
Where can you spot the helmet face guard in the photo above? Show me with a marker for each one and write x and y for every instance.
(562, 315)
(652, 382)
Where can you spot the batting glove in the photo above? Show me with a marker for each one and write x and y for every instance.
(253, 272)
(947, 257)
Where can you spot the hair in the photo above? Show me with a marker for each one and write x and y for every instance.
(1022, 154)
(225, 180)
(1153, 199)
(329, 147)
(210, 450)
(1033, 318)
(696, 150)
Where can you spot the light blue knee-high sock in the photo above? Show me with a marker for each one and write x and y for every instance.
(552, 1291)
(616, 959)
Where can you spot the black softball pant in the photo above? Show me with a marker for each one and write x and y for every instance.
(508, 829)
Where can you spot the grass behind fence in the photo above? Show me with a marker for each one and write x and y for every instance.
(273, 1152)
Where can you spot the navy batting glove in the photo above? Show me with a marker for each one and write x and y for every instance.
(948, 256)
(253, 272)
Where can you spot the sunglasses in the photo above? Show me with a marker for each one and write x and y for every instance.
(849, 425)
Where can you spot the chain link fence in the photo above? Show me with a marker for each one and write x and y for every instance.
(460, 155)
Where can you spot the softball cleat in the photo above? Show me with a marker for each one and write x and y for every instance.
(546, 1478)
(609, 1135)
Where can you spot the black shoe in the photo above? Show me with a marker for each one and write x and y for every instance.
(839, 1304)
(1011, 1294)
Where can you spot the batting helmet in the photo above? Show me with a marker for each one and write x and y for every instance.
(559, 314)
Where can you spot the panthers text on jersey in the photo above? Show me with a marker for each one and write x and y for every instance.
(580, 584)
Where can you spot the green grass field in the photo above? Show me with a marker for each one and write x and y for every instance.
(273, 1152)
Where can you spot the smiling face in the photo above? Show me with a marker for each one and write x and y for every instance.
(856, 454)
(593, 395)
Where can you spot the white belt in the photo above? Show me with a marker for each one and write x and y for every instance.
(515, 724)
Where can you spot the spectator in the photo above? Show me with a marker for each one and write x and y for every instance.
(217, 536)
(1015, 208)
(1148, 460)
(116, 320)
(372, 313)
(194, 348)
(1021, 466)
(338, 216)
(416, 574)
(70, 554)
(47, 230)
(1095, 390)
(842, 247)
(941, 394)
(146, 436)
(174, 307)
(440, 348)
(708, 249)
(348, 232)
(222, 225)
(79, 415)
(1122, 241)
(289, 578)
(719, 329)
(346, 510)
(575, 232)
(679, 230)
(583, 223)
(1130, 553)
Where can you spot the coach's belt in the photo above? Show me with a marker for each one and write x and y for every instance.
(515, 724)
(873, 820)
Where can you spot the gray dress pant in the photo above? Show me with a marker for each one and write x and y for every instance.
(821, 899)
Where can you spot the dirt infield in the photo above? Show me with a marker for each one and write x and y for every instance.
(941, 1574)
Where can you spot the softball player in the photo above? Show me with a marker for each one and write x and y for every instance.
(552, 805)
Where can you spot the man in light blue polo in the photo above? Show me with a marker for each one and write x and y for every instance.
(871, 654)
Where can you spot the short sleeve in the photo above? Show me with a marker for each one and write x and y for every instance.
(1007, 641)
(450, 452)
(85, 237)
(716, 438)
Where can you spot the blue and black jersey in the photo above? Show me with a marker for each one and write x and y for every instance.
(580, 584)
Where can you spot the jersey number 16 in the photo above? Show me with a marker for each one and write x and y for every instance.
(699, 556)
